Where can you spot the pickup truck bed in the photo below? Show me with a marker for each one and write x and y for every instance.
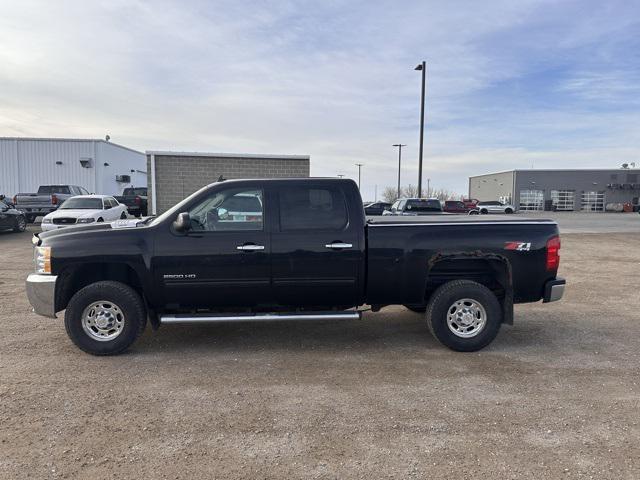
(303, 249)
(46, 200)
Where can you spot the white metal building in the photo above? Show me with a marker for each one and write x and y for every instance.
(97, 165)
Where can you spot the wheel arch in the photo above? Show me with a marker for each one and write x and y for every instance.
(75, 277)
(489, 269)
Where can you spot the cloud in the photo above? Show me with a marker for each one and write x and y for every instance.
(508, 82)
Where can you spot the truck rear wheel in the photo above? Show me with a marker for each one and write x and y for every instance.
(105, 318)
(464, 315)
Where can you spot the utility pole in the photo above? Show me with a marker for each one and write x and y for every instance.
(423, 68)
(428, 187)
(399, 145)
(375, 194)
(359, 169)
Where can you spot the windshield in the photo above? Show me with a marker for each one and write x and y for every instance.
(82, 204)
(421, 205)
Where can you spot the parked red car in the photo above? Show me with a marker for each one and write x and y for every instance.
(455, 206)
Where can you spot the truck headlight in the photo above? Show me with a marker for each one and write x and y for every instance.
(46, 220)
(42, 259)
(86, 220)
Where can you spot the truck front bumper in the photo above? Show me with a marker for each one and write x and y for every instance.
(41, 292)
(553, 290)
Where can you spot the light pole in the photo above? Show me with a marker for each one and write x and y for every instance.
(423, 68)
(399, 145)
(428, 187)
(359, 168)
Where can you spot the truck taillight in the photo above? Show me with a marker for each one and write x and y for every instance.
(15, 199)
(137, 200)
(54, 199)
(553, 253)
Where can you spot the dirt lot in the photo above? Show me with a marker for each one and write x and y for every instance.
(555, 396)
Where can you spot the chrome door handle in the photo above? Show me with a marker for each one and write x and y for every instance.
(250, 248)
(338, 245)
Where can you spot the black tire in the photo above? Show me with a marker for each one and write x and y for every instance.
(121, 295)
(21, 224)
(484, 211)
(508, 211)
(123, 216)
(100, 219)
(443, 300)
(474, 212)
(416, 309)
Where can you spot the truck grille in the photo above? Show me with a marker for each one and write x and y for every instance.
(64, 221)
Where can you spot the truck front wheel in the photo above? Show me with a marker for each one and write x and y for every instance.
(105, 318)
(464, 315)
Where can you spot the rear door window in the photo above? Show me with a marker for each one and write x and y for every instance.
(312, 208)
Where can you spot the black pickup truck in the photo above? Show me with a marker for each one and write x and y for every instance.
(291, 249)
(135, 198)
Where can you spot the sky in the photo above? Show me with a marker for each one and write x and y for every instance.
(510, 84)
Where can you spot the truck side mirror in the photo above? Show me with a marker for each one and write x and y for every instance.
(182, 223)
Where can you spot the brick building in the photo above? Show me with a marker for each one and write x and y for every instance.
(172, 176)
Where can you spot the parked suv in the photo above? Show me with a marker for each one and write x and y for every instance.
(415, 206)
(484, 208)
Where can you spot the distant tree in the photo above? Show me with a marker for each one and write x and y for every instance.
(443, 194)
(390, 194)
(409, 191)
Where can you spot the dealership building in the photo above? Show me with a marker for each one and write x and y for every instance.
(172, 176)
(96, 165)
(563, 190)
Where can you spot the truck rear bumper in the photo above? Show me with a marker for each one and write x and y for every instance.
(553, 290)
(41, 292)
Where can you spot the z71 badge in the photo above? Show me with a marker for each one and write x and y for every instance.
(518, 246)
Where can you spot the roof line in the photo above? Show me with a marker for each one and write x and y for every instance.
(529, 170)
(56, 139)
(226, 155)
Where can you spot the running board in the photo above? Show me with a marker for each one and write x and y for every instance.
(258, 317)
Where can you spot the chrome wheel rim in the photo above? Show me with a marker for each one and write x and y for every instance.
(466, 318)
(103, 321)
(22, 224)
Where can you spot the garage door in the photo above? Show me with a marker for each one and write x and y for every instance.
(563, 200)
(531, 200)
(592, 202)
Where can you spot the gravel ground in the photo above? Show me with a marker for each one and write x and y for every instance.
(555, 396)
